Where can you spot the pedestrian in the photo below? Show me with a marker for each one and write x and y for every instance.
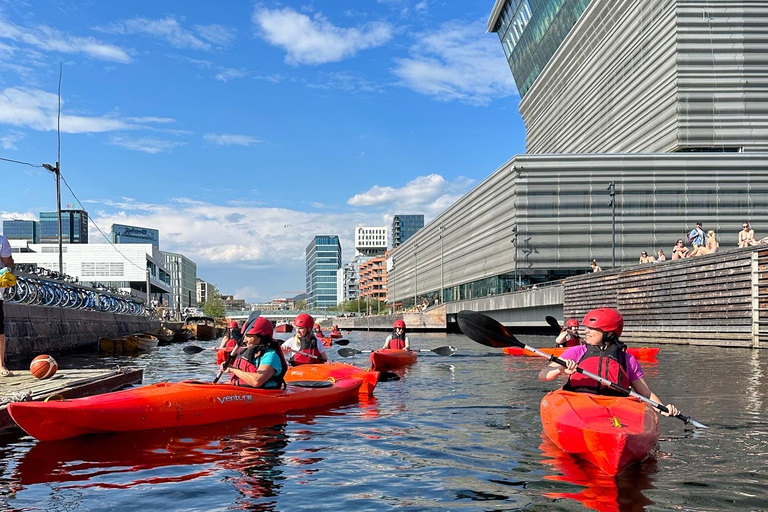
(6, 259)
(746, 236)
(304, 345)
(397, 340)
(595, 266)
(605, 356)
(260, 364)
(680, 251)
(696, 236)
(710, 246)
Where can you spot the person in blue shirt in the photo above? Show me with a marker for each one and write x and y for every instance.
(260, 364)
(696, 236)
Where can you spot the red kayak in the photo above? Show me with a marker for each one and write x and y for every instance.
(385, 358)
(334, 370)
(610, 432)
(640, 353)
(167, 404)
(336, 334)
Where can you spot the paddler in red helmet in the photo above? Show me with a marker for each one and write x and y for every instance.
(260, 364)
(232, 337)
(605, 356)
(304, 346)
(569, 336)
(397, 340)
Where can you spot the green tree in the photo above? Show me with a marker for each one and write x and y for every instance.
(214, 306)
(302, 304)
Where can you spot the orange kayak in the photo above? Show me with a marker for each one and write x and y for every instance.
(335, 334)
(610, 432)
(643, 353)
(386, 358)
(334, 370)
(167, 404)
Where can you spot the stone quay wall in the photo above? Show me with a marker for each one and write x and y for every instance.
(35, 330)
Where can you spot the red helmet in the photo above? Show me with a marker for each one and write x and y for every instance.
(262, 327)
(318, 327)
(399, 324)
(303, 320)
(604, 319)
(232, 325)
(572, 323)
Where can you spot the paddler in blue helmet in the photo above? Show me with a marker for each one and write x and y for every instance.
(604, 355)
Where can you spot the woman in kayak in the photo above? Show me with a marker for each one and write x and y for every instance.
(304, 345)
(231, 338)
(569, 337)
(260, 364)
(398, 340)
(605, 356)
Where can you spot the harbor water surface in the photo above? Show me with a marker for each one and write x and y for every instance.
(455, 433)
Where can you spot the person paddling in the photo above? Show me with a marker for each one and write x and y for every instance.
(569, 336)
(304, 345)
(260, 364)
(397, 340)
(231, 338)
(605, 356)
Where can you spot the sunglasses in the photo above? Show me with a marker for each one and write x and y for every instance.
(745, 226)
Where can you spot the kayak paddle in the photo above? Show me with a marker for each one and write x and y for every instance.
(194, 349)
(441, 351)
(552, 321)
(341, 341)
(487, 331)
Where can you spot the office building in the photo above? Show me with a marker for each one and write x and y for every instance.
(659, 101)
(21, 230)
(371, 241)
(122, 234)
(373, 279)
(74, 227)
(183, 273)
(348, 279)
(323, 260)
(405, 226)
(205, 291)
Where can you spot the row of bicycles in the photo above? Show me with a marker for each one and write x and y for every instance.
(43, 287)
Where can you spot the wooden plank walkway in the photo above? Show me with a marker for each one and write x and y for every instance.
(65, 384)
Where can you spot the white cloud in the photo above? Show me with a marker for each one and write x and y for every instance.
(9, 141)
(316, 40)
(227, 74)
(457, 62)
(346, 81)
(145, 144)
(50, 39)
(431, 194)
(4, 215)
(169, 29)
(224, 139)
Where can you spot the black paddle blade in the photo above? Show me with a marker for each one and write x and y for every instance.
(388, 377)
(341, 341)
(552, 321)
(348, 352)
(444, 351)
(485, 330)
(192, 349)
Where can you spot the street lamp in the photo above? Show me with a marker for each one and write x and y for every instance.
(57, 172)
(514, 241)
(612, 203)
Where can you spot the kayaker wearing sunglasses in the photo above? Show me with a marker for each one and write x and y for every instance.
(397, 340)
(569, 336)
(605, 356)
(260, 364)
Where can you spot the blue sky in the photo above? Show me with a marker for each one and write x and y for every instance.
(240, 129)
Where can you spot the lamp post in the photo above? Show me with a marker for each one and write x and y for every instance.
(612, 203)
(442, 285)
(57, 172)
(514, 241)
(415, 273)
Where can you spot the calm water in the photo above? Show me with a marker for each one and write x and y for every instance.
(456, 433)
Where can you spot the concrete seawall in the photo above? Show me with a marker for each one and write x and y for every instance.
(34, 330)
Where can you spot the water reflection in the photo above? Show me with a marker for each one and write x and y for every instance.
(622, 493)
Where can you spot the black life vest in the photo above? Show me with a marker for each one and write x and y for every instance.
(609, 363)
(309, 347)
(249, 361)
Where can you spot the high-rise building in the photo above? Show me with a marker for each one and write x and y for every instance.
(371, 241)
(204, 291)
(74, 227)
(404, 226)
(323, 259)
(349, 276)
(122, 234)
(21, 230)
(183, 273)
(373, 279)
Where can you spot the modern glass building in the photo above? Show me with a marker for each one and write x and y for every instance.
(404, 226)
(665, 100)
(122, 234)
(74, 227)
(183, 273)
(323, 259)
(21, 230)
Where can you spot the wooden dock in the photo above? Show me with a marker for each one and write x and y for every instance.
(719, 299)
(65, 384)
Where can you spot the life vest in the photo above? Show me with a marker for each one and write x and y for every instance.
(223, 353)
(572, 341)
(610, 364)
(397, 342)
(249, 361)
(308, 346)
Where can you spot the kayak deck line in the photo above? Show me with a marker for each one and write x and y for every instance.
(73, 383)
